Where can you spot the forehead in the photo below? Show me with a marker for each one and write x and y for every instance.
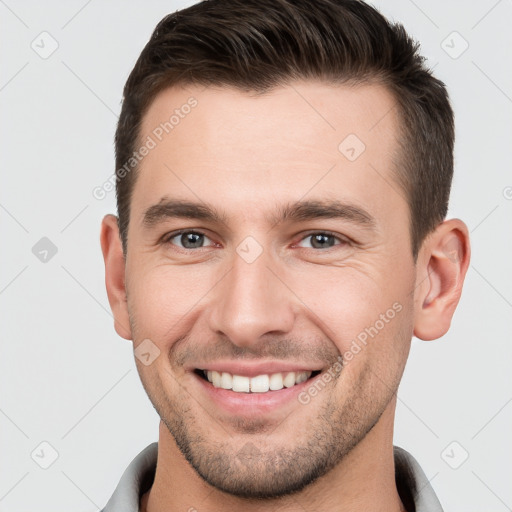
(223, 145)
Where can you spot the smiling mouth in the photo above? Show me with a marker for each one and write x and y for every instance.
(259, 384)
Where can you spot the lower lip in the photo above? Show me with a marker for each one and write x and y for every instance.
(249, 404)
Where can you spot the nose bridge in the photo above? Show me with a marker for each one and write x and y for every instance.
(251, 302)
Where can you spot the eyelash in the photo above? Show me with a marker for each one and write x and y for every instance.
(343, 241)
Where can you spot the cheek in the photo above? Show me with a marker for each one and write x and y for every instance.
(162, 297)
(382, 347)
(352, 304)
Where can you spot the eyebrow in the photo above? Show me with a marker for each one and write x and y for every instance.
(176, 208)
(292, 212)
(327, 209)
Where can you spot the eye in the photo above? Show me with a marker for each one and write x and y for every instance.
(187, 239)
(321, 240)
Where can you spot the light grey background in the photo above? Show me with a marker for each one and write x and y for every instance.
(67, 379)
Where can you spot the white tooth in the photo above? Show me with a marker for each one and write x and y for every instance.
(259, 384)
(226, 380)
(240, 383)
(216, 379)
(276, 381)
(289, 380)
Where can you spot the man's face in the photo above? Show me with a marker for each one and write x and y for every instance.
(252, 287)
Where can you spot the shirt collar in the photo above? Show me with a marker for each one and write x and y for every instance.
(413, 486)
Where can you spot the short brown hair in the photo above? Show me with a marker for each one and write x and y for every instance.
(256, 45)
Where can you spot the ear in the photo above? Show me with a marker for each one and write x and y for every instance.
(115, 275)
(442, 264)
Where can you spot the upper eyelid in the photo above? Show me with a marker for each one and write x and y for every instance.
(328, 233)
(169, 236)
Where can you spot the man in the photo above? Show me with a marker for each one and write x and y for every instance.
(283, 175)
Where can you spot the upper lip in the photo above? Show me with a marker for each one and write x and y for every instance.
(254, 369)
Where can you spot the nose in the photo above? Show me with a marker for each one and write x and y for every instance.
(251, 301)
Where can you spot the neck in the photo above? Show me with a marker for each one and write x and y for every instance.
(363, 480)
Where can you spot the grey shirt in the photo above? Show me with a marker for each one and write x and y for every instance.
(413, 486)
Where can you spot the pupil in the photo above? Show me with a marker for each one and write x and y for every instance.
(321, 240)
(191, 240)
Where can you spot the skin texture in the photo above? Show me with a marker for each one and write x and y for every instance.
(247, 156)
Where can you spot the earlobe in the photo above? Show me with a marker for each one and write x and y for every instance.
(442, 267)
(115, 275)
